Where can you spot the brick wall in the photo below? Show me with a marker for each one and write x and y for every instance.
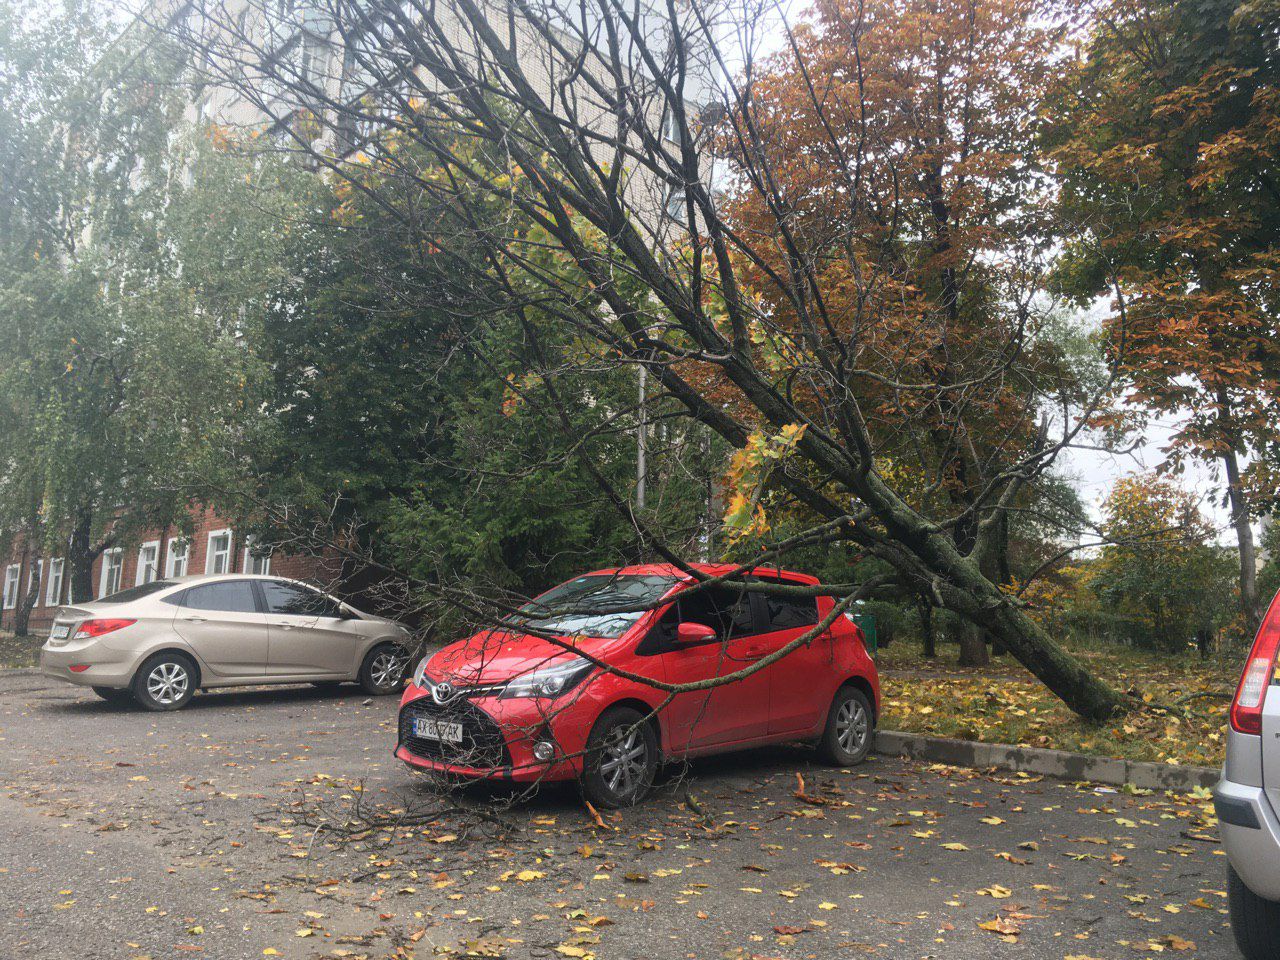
(318, 569)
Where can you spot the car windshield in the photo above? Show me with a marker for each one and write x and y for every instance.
(601, 605)
(138, 592)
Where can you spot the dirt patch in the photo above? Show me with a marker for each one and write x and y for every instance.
(18, 652)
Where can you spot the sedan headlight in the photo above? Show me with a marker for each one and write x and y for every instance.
(550, 681)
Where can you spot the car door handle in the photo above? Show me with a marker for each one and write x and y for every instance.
(194, 619)
(286, 626)
(754, 653)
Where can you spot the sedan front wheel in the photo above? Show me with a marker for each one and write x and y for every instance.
(382, 672)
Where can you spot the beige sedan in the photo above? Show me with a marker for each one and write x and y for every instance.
(161, 641)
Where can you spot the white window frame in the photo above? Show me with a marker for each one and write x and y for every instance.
(12, 577)
(52, 594)
(210, 557)
(178, 552)
(250, 561)
(140, 577)
(112, 560)
(35, 577)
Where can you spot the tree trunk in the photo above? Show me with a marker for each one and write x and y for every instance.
(927, 630)
(22, 616)
(1084, 693)
(1244, 537)
(80, 557)
(960, 586)
(973, 646)
(1003, 575)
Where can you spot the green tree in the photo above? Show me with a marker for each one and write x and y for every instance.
(463, 469)
(1160, 573)
(137, 258)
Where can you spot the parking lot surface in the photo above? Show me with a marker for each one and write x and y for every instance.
(276, 823)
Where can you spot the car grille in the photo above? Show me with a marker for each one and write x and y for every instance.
(483, 746)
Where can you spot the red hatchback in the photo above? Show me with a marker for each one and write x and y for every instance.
(503, 704)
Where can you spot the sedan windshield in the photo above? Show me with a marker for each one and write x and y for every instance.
(602, 605)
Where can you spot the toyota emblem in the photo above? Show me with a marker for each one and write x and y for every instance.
(443, 693)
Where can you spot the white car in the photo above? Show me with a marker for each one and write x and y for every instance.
(1247, 799)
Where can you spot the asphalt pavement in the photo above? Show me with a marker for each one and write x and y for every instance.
(276, 823)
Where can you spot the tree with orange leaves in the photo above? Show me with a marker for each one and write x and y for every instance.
(900, 135)
(1167, 147)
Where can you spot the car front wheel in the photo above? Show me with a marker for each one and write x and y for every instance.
(382, 672)
(166, 681)
(850, 728)
(1254, 921)
(621, 759)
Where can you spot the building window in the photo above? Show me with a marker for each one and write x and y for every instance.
(33, 579)
(53, 592)
(176, 564)
(11, 574)
(256, 559)
(112, 567)
(148, 563)
(671, 129)
(677, 203)
(218, 558)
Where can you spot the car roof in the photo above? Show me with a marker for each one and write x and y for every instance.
(710, 569)
(193, 579)
(197, 577)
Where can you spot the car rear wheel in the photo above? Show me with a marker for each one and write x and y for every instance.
(382, 672)
(112, 694)
(850, 727)
(1254, 921)
(166, 681)
(621, 759)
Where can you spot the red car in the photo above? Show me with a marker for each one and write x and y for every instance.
(506, 705)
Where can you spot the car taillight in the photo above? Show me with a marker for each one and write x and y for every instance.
(96, 628)
(1246, 708)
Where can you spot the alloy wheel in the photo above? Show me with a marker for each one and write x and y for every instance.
(167, 683)
(387, 669)
(624, 760)
(852, 726)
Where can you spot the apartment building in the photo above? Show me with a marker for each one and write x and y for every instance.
(213, 545)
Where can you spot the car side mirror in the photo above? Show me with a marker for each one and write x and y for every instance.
(688, 634)
(346, 613)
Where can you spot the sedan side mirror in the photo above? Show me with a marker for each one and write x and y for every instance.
(688, 634)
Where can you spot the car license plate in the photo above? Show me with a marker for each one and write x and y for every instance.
(430, 729)
(60, 631)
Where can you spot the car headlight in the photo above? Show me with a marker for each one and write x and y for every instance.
(420, 675)
(550, 681)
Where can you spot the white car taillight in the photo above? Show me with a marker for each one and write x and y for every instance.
(1251, 695)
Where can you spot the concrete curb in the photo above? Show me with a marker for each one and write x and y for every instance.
(1051, 763)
